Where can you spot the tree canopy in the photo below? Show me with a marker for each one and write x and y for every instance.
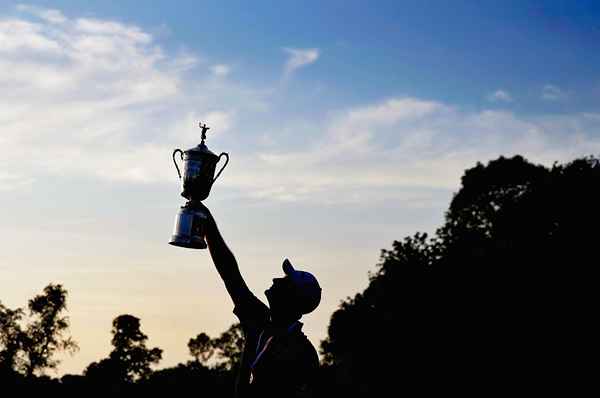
(491, 299)
(31, 346)
(130, 359)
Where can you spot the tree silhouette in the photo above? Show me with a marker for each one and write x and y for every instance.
(45, 335)
(130, 360)
(493, 299)
(11, 336)
(32, 348)
(201, 348)
(229, 346)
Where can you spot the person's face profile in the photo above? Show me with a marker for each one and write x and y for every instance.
(280, 291)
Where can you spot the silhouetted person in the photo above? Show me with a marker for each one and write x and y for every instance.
(278, 359)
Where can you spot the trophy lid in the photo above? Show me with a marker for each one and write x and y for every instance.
(201, 149)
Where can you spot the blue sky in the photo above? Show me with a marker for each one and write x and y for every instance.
(348, 125)
(452, 51)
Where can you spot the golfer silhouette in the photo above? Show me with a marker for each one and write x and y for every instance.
(278, 359)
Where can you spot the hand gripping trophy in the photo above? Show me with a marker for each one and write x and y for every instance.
(199, 165)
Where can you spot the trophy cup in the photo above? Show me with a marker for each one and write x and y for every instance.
(199, 165)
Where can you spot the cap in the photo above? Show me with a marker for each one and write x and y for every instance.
(307, 287)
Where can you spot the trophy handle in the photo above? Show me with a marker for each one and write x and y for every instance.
(226, 161)
(174, 161)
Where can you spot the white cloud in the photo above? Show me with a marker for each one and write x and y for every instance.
(405, 146)
(220, 70)
(110, 28)
(298, 58)
(49, 15)
(19, 35)
(552, 93)
(13, 182)
(500, 95)
(100, 99)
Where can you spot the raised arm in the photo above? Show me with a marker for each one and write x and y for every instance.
(224, 261)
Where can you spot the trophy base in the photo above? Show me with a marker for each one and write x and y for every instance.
(188, 243)
(189, 227)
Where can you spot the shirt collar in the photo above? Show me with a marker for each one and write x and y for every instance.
(295, 326)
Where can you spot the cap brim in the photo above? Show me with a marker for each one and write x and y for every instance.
(287, 267)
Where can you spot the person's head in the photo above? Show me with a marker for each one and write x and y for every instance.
(295, 294)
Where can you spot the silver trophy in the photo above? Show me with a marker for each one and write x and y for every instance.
(199, 165)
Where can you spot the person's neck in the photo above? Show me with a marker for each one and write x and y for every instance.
(283, 322)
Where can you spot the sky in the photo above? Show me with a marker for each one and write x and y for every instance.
(348, 125)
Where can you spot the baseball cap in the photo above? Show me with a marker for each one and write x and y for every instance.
(306, 286)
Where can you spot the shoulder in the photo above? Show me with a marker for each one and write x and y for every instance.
(311, 353)
(305, 351)
(306, 367)
(251, 312)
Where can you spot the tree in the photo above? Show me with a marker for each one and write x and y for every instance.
(201, 348)
(32, 348)
(45, 335)
(229, 346)
(130, 360)
(386, 333)
(11, 336)
(501, 294)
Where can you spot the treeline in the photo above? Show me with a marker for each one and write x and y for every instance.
(30, 340)
(501, 299)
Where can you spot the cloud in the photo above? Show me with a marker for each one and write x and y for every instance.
(13, 182)
(552, 93)
(19, 35)
(100, 99)
(406, 147)
(49, 15)
(299, 58)
(500, 95)
(114, 30)
(220, 70)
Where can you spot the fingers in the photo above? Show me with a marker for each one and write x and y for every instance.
(200, 206)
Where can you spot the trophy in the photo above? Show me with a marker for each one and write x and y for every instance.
(199, 165)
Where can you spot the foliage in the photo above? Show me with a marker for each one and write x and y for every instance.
(505, 278)
(187, 377)
(228, 348)
(11, 337)
(201, 348)
(130, 359)
(32, 347)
